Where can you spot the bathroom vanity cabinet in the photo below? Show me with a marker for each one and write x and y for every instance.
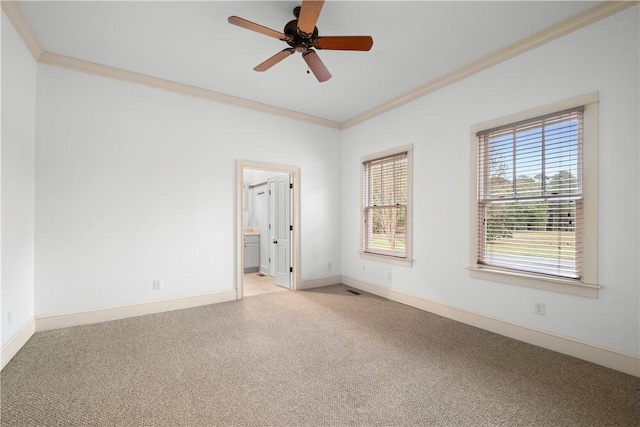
(251, 253)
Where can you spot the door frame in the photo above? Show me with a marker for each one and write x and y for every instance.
(241, 165)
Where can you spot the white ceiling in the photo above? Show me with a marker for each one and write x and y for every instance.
(415, 42)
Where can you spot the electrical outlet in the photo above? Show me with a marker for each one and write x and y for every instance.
(539, 309)
(9, 317)
(364, 269)
(389, 276)
(157, 285)
(329, 266)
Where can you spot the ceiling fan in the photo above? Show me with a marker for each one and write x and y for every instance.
(301, 35)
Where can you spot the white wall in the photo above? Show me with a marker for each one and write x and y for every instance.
(602, 57)
(255, 176)
(18, 139)
(135, 184)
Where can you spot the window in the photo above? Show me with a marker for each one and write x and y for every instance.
(531, 197)
(386, 214)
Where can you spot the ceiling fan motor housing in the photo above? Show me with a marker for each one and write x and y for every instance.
(296, 41)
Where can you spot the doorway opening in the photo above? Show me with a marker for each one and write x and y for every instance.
(267, 228)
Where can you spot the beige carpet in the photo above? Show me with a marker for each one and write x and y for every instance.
(314, 358)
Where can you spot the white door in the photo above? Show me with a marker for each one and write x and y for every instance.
(271, 227)
(262, 222)
(282, 230)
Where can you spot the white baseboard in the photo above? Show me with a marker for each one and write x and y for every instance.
(610, 358)
(318, 283)
(15, 344)
(45, 323)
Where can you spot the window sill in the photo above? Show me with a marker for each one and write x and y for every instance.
(534, 281)
(405, 262)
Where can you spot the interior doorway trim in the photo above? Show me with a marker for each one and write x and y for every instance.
(241, 165)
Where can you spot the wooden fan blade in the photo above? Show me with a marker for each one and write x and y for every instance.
(362, 43)
(316, 65)
(241, 22)
(274, 60)
(309, 12)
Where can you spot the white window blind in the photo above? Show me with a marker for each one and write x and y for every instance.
(385, 194)
(530, 196)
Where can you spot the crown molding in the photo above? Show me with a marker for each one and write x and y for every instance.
(80, 65)
(600, 11)
(587, 17)
(14, 12)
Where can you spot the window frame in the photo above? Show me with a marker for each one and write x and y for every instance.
(407, 260)
(588, 285)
